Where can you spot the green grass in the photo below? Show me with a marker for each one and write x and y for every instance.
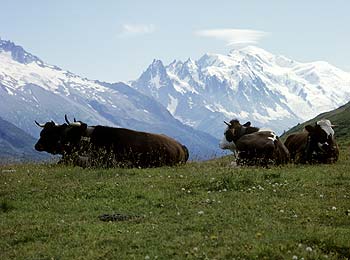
(207, 210)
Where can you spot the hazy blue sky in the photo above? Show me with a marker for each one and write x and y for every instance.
(116, 40)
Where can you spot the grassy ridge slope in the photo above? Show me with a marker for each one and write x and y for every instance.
(206, 210)
(17, 145)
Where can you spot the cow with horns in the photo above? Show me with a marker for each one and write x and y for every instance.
(316, 144)
(109, 146)
(252, 145)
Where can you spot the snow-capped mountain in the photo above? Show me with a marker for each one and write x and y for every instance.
(248, 84)
(32, 90)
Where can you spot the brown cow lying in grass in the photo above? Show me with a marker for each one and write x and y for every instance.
(316, 144)
(104, 146)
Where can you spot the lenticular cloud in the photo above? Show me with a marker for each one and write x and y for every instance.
(234, 36)
(136, 29)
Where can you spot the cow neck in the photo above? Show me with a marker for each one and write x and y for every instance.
(311, 145)
(242, 131)
(88, 133)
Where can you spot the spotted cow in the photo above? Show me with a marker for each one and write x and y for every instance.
(254, 146)
(316, 144)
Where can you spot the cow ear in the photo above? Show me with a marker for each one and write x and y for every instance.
(247, 124)
(309, 128)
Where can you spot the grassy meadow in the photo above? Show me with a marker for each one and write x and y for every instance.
(202, 210)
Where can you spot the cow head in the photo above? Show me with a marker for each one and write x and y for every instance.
(233, 132)
(50, 138)
(321, 139)
(60, 139)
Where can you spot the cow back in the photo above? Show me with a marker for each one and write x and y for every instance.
(262, 144)
(138, 149)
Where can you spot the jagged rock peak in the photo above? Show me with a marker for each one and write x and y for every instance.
(18, 53)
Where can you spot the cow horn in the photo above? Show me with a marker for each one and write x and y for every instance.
(227, 123)
(75, 123)
(66, 118)
(38, 124)
(333, 125)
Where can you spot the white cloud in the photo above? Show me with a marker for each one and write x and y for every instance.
(234, 36)
(136, 29)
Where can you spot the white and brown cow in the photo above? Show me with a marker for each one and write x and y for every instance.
(252, 145)
(314, 145)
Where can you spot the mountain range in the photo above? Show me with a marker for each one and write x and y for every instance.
(250, 84)
(32, 90)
